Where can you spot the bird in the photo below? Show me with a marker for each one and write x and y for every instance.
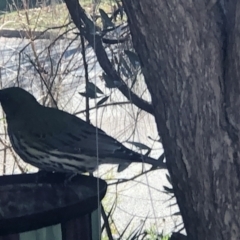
(57, 141)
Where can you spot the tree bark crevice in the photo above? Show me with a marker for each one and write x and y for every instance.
(190, 55)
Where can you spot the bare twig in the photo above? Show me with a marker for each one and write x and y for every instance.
(103, 105)
(123, 180)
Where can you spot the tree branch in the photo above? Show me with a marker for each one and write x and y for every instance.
(88, 29)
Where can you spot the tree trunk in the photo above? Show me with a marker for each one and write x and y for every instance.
(190, 53)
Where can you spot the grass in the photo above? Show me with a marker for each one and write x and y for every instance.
(39, 19)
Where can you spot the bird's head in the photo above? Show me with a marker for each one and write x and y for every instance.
(15, 99)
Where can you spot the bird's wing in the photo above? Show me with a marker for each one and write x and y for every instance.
(66, 133)
(86, 139)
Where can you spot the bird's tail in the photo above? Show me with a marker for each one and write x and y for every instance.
(156, 163)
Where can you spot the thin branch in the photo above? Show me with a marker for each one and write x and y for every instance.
(123, 180)
(43, 80)
(103, 105)
(86, 27)
(106, 223)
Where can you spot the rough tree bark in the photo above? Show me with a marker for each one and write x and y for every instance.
(190, 53)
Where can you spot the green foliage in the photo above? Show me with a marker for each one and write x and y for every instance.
(153, 235)
(133, 58)
(106, 21)
(92, 91)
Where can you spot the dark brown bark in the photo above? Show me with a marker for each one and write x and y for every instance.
(190, 53)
